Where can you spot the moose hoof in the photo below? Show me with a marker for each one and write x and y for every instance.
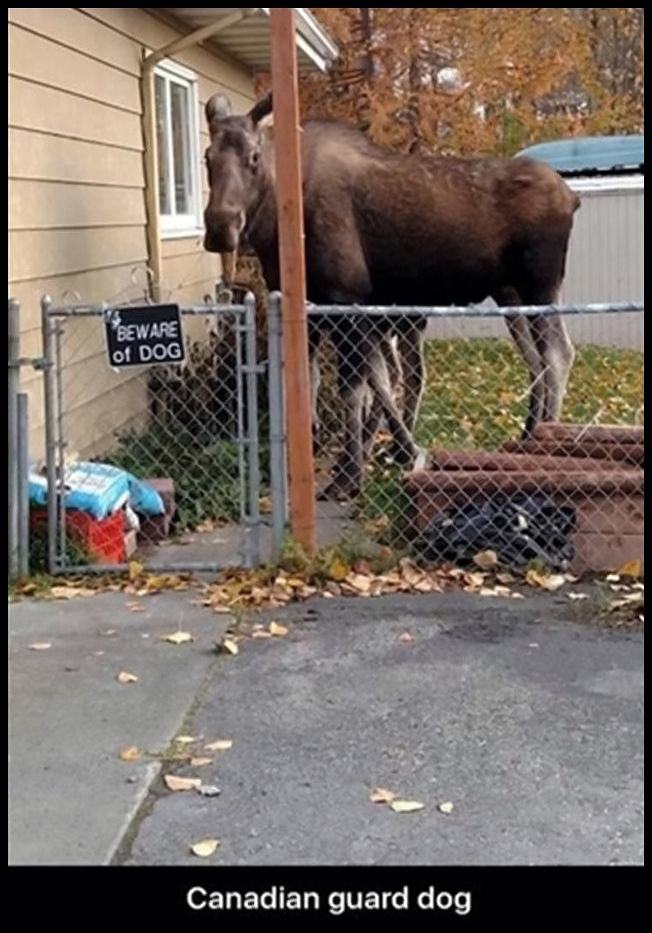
(405, 456)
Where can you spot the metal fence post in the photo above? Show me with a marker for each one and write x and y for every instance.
(276, 424)
(49, 409)
(251, 370)
(13, 347)
(22, 487)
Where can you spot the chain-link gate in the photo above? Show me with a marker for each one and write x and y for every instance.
(196, 434)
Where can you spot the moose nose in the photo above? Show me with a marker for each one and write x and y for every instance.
(223, 228)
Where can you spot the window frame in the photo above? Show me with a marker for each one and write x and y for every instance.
(177, 226)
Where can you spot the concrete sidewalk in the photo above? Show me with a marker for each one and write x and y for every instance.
(71, 797)
(530, 723)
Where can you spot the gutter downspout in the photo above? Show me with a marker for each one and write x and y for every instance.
(152, 192)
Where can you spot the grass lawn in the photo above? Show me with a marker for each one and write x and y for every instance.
(477, 392)
(476, 398)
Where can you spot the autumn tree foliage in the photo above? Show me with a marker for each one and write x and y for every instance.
(461, 81)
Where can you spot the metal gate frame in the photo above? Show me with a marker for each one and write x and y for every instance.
(248, 372)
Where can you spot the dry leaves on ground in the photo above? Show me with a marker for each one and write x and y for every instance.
(406, 806)
(219, 745)
(204, 847)
(178, 638)
(124, 677)
(175, 783)
(130, 753)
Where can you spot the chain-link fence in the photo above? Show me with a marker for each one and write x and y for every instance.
(138, 457)
(515, 433)
(442, 433)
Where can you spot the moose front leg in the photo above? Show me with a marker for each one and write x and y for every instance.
(347, 473)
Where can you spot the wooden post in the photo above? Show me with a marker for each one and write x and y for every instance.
(287, 145)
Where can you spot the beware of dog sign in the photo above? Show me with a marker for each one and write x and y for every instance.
(144, 336)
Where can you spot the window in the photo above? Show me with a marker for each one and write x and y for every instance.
(178, 156)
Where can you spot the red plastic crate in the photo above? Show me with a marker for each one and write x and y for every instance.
(104, 538)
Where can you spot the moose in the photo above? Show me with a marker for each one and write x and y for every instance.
(383, 228)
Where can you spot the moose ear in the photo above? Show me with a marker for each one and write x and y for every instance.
(262, 111)
(218, 107)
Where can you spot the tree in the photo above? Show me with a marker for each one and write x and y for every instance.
(481, 80)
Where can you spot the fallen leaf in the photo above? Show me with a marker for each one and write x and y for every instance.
(124, 677)
(265, 505)
(205, 847)
(576, 596)
(220, 745)
(70, 592)
(276, 629)
(180, 783)
(200, 762)
(40, 645)
(261, 634)
(178, 638)
(135, 569)
(130, 753)
(406, 638)
(550, 582)
(359, 581)
(505, 577)
(631, 569)
(228, 646)
(381, 795)
(485, 560)
(445, 807)
(517, 596)
(208, 790)
(338, 570)
(186, 739)
(406, 806)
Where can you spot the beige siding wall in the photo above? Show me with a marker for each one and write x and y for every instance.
(76, 194)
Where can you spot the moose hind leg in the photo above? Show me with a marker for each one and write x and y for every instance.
(557, 354)
(521, 333)
(410, 347)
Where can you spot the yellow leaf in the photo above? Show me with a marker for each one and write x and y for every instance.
(124, 677)
(200, 762)
(135, 569)
(70, 592)
(445, 807)
(406, 806)
(381, 795)
(550, 582)
(261, 634)
(180, 783)
(220, 745)
(130, 753)
(276, 629)
(40, 646)
(265, 505)
(338, 570)
(205, 847)
(178, 638)
(631, 569)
